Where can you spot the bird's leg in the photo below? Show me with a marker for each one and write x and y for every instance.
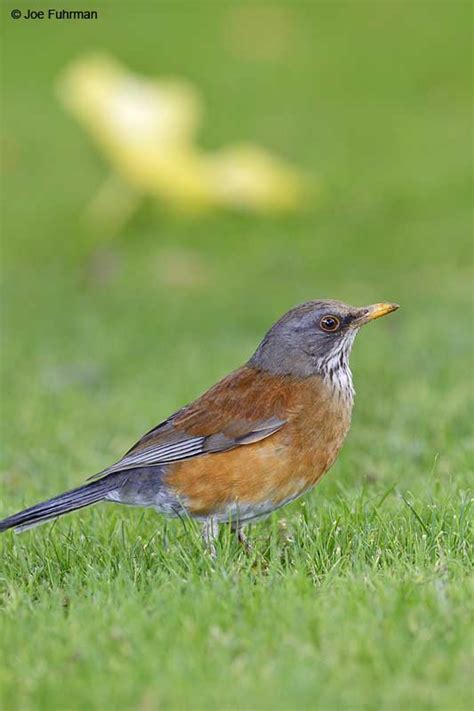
(243, 540)
(210, 531)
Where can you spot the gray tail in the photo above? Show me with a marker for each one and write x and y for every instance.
(63, 504)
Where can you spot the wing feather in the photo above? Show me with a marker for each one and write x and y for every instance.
(240, 410)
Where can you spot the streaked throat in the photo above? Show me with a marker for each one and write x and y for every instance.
(335, 368)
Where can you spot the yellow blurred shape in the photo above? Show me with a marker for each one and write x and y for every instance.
(251, 178)
(147, 129)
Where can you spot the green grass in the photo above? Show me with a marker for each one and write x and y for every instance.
(358, 596)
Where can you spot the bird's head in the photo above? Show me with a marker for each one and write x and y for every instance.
(314, 337)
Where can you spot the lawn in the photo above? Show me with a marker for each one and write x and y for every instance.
(358, 596)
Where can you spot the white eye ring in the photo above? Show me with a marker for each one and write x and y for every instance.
(329, 323)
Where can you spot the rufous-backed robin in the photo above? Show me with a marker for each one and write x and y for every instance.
(257, 440)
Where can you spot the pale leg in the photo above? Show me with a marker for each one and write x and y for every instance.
(210, 531)
(243, 540)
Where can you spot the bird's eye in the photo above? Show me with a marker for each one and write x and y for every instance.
(329, 323)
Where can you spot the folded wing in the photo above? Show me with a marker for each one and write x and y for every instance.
(240, 410)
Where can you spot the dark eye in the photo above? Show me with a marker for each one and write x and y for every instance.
(329, 323)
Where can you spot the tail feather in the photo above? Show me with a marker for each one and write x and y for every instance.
(71, 500)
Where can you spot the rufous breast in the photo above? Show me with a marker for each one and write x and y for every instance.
(254, 479)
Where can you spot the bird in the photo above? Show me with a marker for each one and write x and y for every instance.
(260, 438)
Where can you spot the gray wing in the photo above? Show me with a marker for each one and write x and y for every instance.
(166, 444)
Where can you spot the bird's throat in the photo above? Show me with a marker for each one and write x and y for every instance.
(336, 372)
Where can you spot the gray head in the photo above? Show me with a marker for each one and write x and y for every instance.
(315, 337)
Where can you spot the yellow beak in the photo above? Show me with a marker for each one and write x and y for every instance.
(370, 313)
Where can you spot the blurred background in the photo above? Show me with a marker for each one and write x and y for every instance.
(107, 331)
(110, 327)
